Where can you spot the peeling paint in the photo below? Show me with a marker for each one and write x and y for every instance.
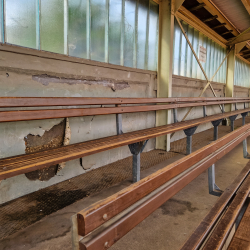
(66, 141)
(46, 79)
(51, 139)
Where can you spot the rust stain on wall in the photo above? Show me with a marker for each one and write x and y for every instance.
(52, 138)
(114, 85)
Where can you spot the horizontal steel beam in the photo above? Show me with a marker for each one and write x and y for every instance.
(242, 38)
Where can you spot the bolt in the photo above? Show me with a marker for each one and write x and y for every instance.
(105, 216)
(106, 244)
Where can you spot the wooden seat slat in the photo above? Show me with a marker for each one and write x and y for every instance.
(92, 217)
(75, 101)
(27, 115)
(202, 231)
(242, 236)
(222, 230)
(29, 162)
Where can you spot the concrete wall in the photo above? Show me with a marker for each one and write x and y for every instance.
(26, 72)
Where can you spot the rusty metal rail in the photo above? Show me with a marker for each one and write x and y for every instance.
(151, 195)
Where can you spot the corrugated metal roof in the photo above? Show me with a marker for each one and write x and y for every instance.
(235, 12)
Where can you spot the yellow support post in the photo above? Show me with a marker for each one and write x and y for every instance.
(229, 90)
(165, 60)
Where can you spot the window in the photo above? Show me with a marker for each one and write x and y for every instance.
(121, 32)
(184, 62)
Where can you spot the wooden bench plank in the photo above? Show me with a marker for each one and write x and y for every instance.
(92, 217)
(27, 115)
(242, 235)
(75, 101)
(21, 164)
(202, 231)
(222, 230)
(115, 229)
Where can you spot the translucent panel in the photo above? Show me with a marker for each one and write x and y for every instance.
(98, 14)
(153, 36)
(115, 18)
(1, 22)
(190, 33)
(129, 33)
(52, 25)
(177, 37)
(21, 22)
(77, 40)
(142, 33)
(241, 73)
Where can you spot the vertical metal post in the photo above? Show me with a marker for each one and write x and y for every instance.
(88, 29)
(204, 111)
(66, 27)
(211, 178)
(107, 32)
(38, 21)
(215, 133)
(235, 106)
(175, 115)
(223, 108)
(189, 144)
(232, 125)
(136, 167)
(122, 33)
(118, 122)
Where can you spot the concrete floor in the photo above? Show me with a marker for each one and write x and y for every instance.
(167, 228)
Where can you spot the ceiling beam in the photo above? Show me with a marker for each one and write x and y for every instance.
(247, 5)
(221, 18)
(197, 7)
(242, 38)
(239, 47)
(195, 22)
(178, 4)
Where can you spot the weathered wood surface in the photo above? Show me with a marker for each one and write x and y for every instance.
(222, 230)
(75, 101)
(27, 115)
(119, 228)
(21, 164)
(202, 231)
(241, 239)
(92, 217)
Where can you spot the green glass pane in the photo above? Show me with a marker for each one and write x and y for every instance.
(142, 31)
(1, 21)
(21, 22)
(129, 33)
(52, 25)
(115, 17)
(153, 36)
(98, 14)
(77, 28)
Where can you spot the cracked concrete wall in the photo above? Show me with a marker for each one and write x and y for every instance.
(25, 72)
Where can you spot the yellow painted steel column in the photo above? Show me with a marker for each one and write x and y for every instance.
(229, 90)
(165, 59)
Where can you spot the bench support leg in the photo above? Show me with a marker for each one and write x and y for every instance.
(216, 124)
(213, 188)
(245, 153)
(232, 119)
(189, 133)
(136, 149)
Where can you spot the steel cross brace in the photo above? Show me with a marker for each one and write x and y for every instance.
(189, 132)
(135, 149)
(245, 153)
(213, 188)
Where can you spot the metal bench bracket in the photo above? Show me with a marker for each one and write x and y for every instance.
(189, 132)
(213, 188)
